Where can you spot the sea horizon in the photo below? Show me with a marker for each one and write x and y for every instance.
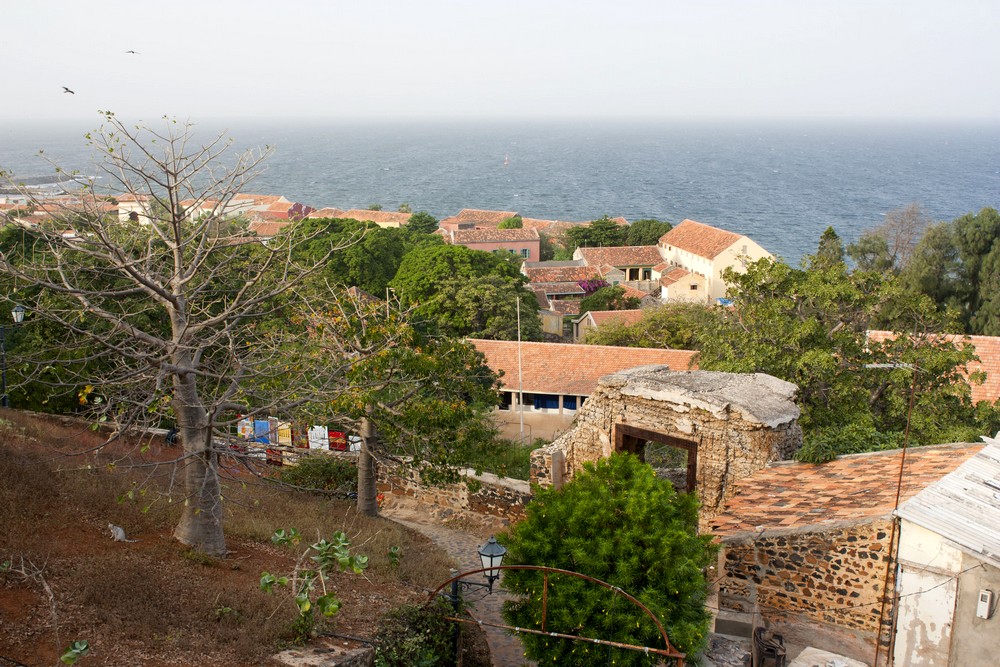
(780, 182)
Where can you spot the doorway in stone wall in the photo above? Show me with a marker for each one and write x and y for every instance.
(662, 451)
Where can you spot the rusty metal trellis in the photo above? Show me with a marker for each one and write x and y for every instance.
(669, 651)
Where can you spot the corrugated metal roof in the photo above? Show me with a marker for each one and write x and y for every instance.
(962, 507)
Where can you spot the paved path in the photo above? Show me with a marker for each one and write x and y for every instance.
(505, 649)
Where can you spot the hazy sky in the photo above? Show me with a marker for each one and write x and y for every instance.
(473, 58)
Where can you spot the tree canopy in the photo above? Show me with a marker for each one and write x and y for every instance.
(611, 297)
(422, 222)
(463, 292)
(954, 264)
(617, 522)
(646, 231)
(603, 232)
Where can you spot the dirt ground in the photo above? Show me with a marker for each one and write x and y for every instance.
(153, 602)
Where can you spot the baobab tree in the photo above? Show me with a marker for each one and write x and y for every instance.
(173, 312)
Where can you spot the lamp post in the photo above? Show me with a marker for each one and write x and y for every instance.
(18, 314)
(491, 556)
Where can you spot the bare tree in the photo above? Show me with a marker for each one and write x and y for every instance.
(175, 313)
(890, 245)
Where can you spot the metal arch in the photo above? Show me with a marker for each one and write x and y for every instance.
(670, 651)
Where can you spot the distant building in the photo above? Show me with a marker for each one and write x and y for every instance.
(708, 251)
(523, 243)
(556, 378)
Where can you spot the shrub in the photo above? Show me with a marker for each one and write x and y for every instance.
(412, 636)
(616, 522)
(322, 473)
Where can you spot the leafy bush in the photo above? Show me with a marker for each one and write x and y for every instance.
(323, 473)
(505, 458)
(412, 636)
(616, 522)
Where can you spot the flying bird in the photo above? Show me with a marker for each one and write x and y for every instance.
(67, 90)
(134, 52)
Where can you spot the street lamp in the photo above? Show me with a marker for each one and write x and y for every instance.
(491, 555)
(18, 315)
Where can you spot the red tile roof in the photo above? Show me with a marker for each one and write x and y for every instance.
(493, 235)
(383, 217)
(267, 228)
(699, 239)
(565, 306)
(641, 255)
(327, 212)
(560, 368)
(479, 217)
(558, 274)
(860, 486)
(673, 275)
(988, 351)
(567, 287)
(628, 317)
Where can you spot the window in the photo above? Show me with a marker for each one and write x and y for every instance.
(526, 252)
(694, 286)
(647, 274)
(546, 402)
(569, 402)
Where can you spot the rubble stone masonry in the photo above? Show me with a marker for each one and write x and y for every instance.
(832, 577)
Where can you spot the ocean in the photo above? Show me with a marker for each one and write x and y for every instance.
(781, 184)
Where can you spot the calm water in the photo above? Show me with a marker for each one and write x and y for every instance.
(781, 184)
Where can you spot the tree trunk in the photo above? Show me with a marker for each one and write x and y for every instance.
(367, 489)
(200, 526)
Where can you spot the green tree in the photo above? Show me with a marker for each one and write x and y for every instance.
(422, 222)
(677, 326)
(368, 255)
(418, 399)
(405, 208)
(375, 207)
(447, 287)
(949, 263)
(601, 233)
(513, 222)
(615, 521)
(608, 298)
(830, 251)
(646, 231)
(809, 327)
(546, 247)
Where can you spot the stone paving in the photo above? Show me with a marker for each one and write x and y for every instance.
(462, 545)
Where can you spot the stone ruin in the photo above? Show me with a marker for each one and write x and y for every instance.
(730, 425)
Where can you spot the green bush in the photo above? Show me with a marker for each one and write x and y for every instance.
(412, 636)
(323, 473)
(505, 458)
(616, 522)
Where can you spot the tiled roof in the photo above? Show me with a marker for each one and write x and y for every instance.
(480, 217)
(988, 351)
(565, 287)
(327, 212)
(622, 316)
(259, 200)
(640, 255)
(129, 197)
(378, 217)
(673, 275)
(550, 227)
(860, 486)
(699, 239)
(558, 274)
(560, 368)
(493, 235)
(565, 306)
(267, 228)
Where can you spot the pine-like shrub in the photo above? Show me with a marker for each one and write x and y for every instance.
(617, 522)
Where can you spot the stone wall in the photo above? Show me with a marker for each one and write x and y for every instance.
(484, 494)
(738, 423)
(820, 586)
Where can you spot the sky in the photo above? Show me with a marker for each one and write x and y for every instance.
(551, 59)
